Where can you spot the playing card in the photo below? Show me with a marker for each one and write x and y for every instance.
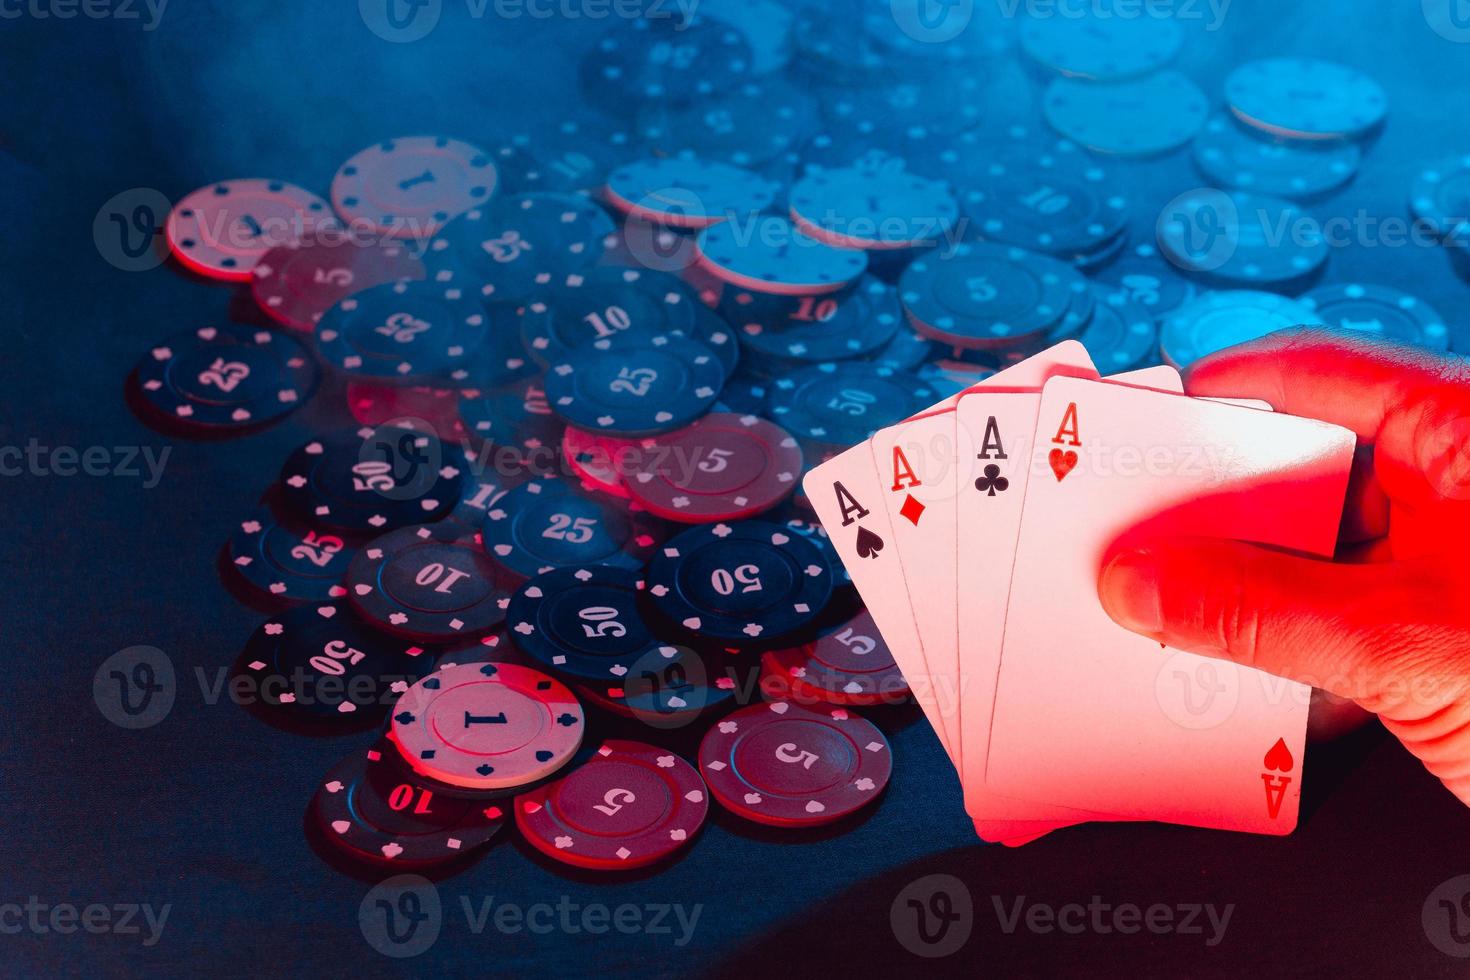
(1092, 716)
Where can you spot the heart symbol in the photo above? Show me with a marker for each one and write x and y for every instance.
(1278, 757)
(868, 543)
(1061, 462)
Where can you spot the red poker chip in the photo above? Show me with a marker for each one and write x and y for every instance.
(850, 665)
(788, 766)
(412, 186)
(599, 461)
(222, 231)
(418, 407)
(723, 467)
(295, 283)
(629, 806)
(372, 808)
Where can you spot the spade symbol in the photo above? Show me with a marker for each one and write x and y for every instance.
(868, 543)
(991, 482)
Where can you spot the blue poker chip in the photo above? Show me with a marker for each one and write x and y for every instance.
(687, 191)
(635, 386)
(714, 332)
(514, 246)
(852, 208)
(745, 394)
(1233, 158)
(665, 58)
(1305, 99)
(574, 155)
(403, 331)
(547, 524)
(1224, 318)
(289, 560)
(1121, 335)
(582, 623)
(1090, 262)
(515, 415)
(1138, 118)
(1236, 239)
(843, 404)
(1145, 278)
(604, 304)
(373, 479)
(747, 582)
(501, 357)
(817, 329)
(1379, 311)
(1440, 196)
(226, 377)
(769, 254)
(906, 351)
(986, 295)
(1101, 48)
(752, 124)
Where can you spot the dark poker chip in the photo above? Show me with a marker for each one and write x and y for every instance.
(600, 461)
(1143, 276)
(547, 524)
(747, 125)
(668, 687)
(635, 386)
(373, 808)
(746, 582)
(431, 582)
(817, 329)
(513, 247)
(297, 283)
(723, 467)
(1379, 311)
(1233, 158)
(373, 480)
(844, 404)
(289, 561)
(852, 208)
(575, 155)
(582, 623)
(784, 765)
(322, 666)
(669, 59)
(629, 806)
(226, 377)
(850, 665)
(411, 186)
(771, 255)
(687, 191)
(1233, 239)
(1121, 334)
(516, 416)
(905, 352)
(402, 331)
(501, 357)
(603, 304)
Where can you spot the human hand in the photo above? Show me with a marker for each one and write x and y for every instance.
(1387, 624)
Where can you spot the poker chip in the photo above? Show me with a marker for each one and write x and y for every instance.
(635, 386)
(748, 125)
(500, 358)
(744, 395)
(487, 726)
(222, 231)
(629, 806)
(1145, 278)
(373, 480)
(599, 461)
(412, 186)
(850, 208)
(582, 623)
(297, 283)
(548, 524)
(1102, 48)
(602, 304)
(1139, 117)
(1379, 311)
(750, 581)
(1306, 99)
(371, 808)
(572, 155)
(723, 467)
(666, 687)
(904, 353)
(797, 517)
(843, 404)
(225, 377)
(1236, 238)
(482, 492)
(817, 329)
(401, 331)
(1224, 318)
(1120, 335)
(320, 665)
(986, 295)
(1441, 195)
(514, 246)
(429, 582)
(788, 766)
(771, 255)
(850, 665)
(711, 330)
(431, 409)
(289, 560)
(1233, 158)
(665, 58)
(905, 107)
(687, 191)
(516, 416)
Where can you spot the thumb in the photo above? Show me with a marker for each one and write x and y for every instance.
(1298, 618)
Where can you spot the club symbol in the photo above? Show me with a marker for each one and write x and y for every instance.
(991, 482)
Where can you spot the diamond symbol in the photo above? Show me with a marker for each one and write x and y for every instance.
(911, 509)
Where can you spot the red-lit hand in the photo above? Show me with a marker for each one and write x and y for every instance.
(1387, 625)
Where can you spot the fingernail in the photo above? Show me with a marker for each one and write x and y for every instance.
(1129, 589)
